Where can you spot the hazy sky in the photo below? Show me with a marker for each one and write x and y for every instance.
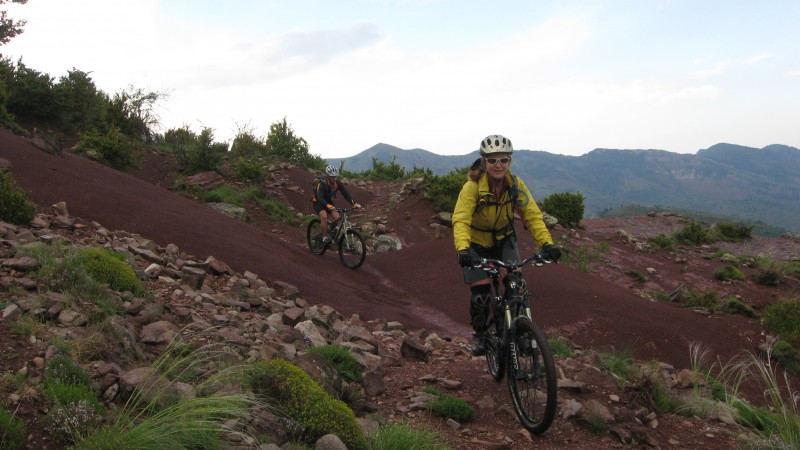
(561, 76)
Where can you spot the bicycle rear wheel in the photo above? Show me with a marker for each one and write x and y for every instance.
(532, 376)
(352, 249)
(314, 237)
(494, 348)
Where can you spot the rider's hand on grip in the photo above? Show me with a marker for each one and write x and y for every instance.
(467, 259)
(551, 252)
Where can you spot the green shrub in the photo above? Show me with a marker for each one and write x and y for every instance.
(695, 299)
(733, 231)
(198, 153)
(248, 170)
(61, 369)
(783, 318)
(728, 273)
(567, 207)
(662, 241)
(13, 429)
(341, 359)
(103, 266)
(305, 402)
(113, 148)
(733, 305)
(694, 233)
(443, 190)
(14, 205)
(391, 171)
(222, 194)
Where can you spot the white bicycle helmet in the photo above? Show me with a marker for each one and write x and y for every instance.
(331, 171)
(496, 144)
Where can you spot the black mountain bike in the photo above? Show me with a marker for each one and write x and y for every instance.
(517, 347)
(351, 245)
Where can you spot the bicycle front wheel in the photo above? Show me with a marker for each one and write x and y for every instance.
(494, 348)
(532, 376)
(314, 237)
(352, 249)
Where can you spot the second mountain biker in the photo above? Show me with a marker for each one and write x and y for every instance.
(325, 189)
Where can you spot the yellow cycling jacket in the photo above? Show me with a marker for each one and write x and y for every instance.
(491, 222)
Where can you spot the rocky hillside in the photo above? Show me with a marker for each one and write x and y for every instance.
(254, 289)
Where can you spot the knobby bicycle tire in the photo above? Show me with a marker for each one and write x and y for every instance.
(314, 238)
(532, 376)
(494, 345)
(352, 249)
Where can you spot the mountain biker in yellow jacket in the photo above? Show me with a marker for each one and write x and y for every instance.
(483, 225)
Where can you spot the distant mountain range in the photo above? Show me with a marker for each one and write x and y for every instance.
(725, 179)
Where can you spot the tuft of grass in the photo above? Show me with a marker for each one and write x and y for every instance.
(783, 318)
(778, 424)
(728, 272)
(155, 418)
(402, 436)
(451, 407)
(13, 430)
(733, 305)
(342, 360)
(581, 258)
(695, 299)
(619, 364)
(636, 275)
(560, 347)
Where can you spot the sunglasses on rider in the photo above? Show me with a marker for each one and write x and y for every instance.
(494, 161)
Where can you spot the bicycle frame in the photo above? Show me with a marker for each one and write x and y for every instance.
(518, 347)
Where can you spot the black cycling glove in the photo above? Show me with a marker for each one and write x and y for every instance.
(551, 252)
(467, 259)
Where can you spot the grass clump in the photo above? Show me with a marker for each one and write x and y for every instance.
(636, 275)
(560, 347)
(157, 416)
(314, 410)
(450, 407)
(733, 305)
(61, 369)
(783, 318)
(728, 272)
(778, 424)
(14, 432)
(400, 436)
(770, 272)
(696, 299)
(619, 364)
(583, 257)
(342, 360)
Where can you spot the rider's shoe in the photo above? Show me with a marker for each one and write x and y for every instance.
(327, 240)
(479, 343)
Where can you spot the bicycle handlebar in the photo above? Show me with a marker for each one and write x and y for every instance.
(536, 259)
(337, 209)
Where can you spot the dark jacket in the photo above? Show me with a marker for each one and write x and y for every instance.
(324, 193)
